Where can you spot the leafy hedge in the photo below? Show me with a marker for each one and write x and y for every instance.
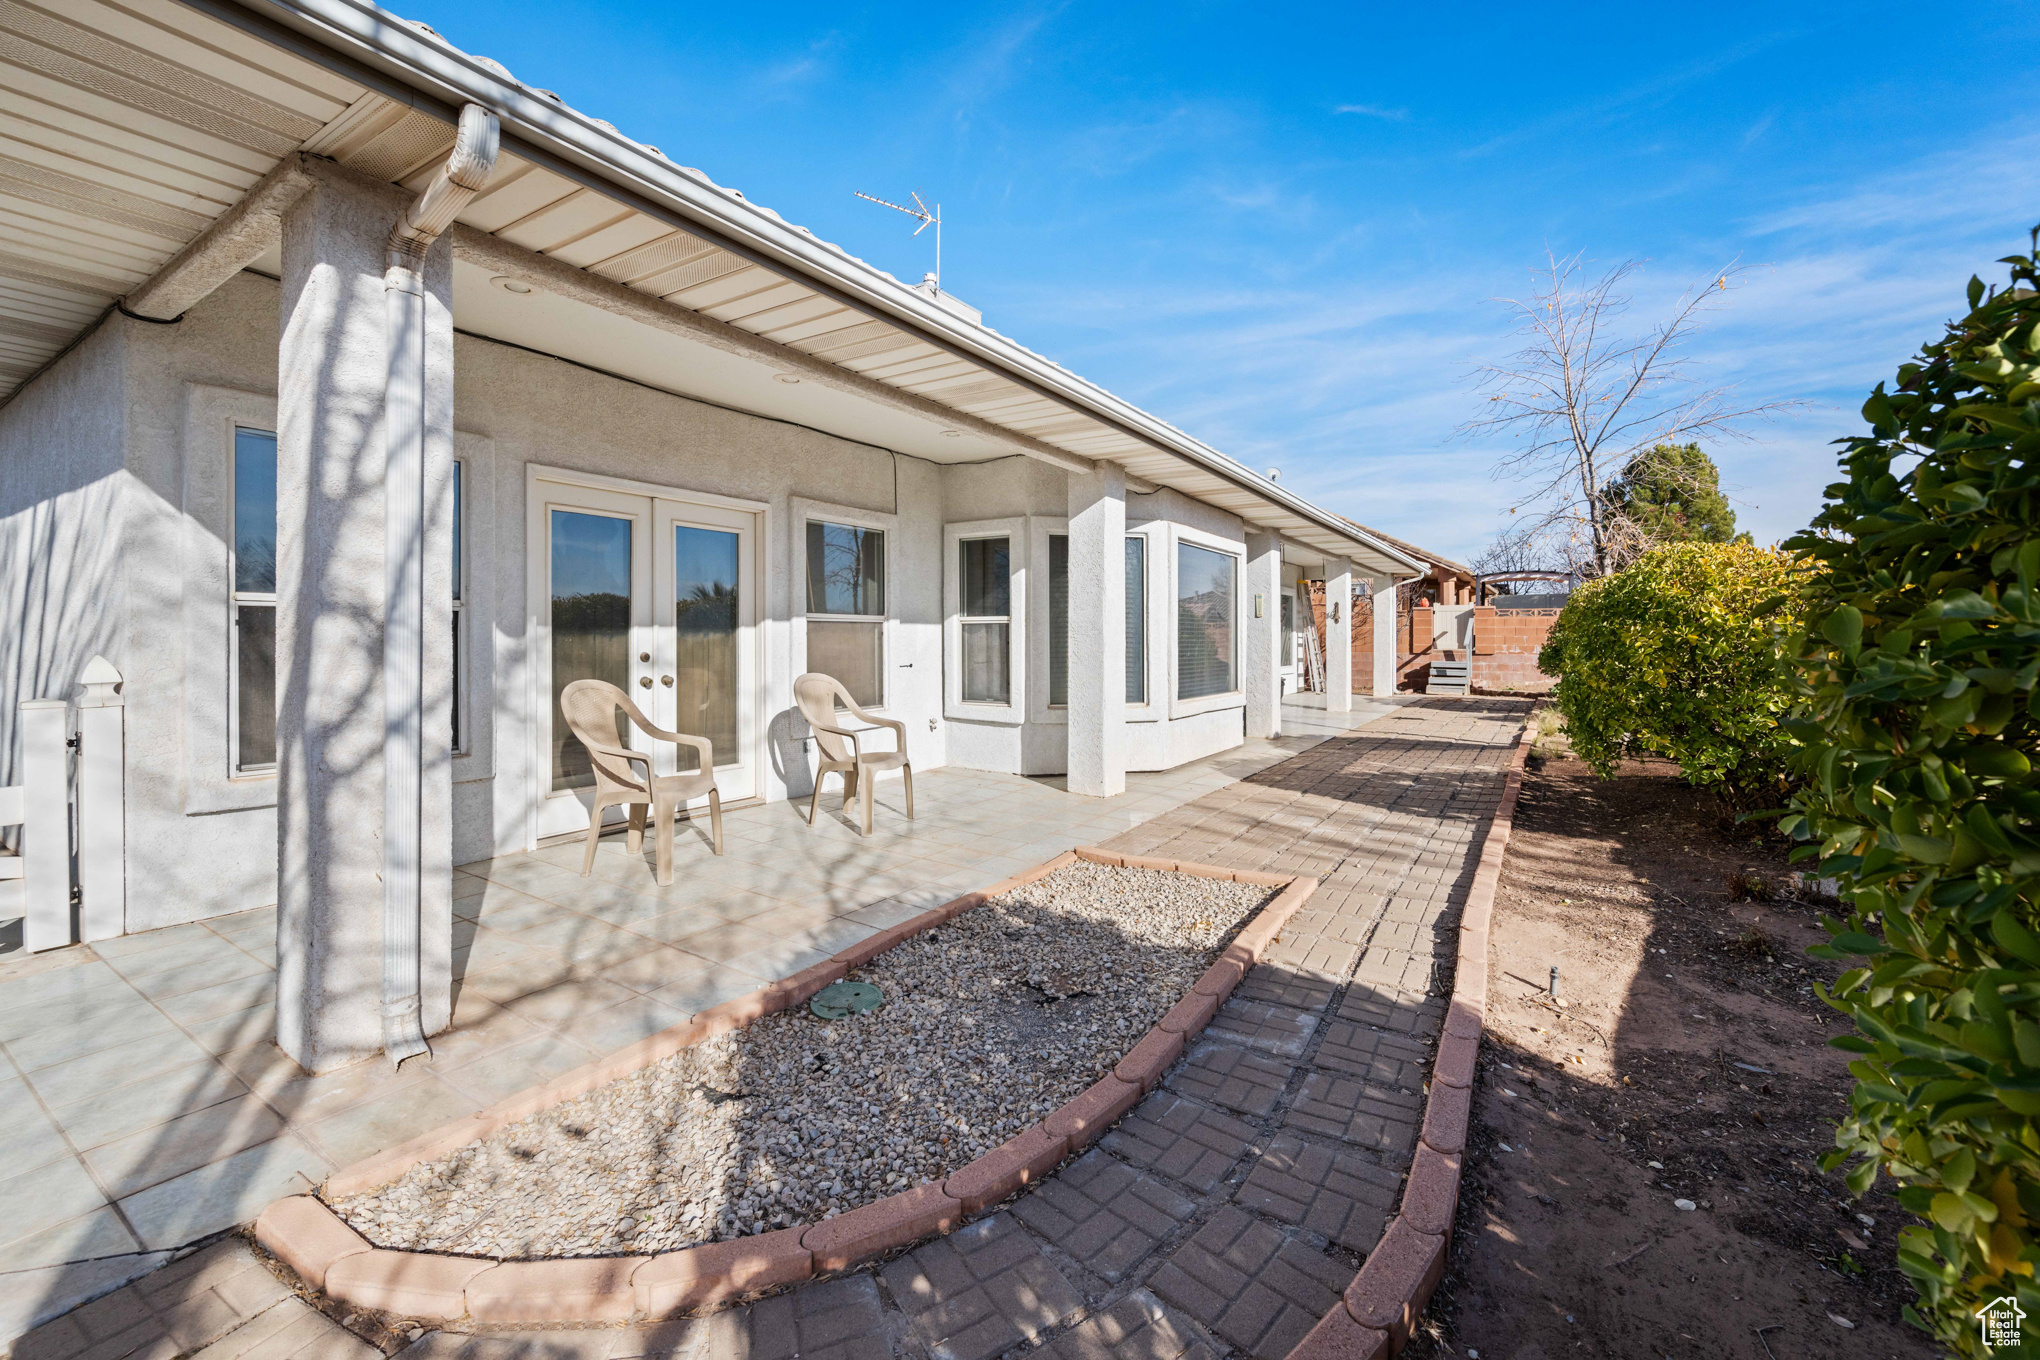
(1919, 667)
(1672, 657)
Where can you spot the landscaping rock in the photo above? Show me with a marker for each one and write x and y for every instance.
(992, 1021)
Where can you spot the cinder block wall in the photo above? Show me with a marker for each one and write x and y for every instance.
(1505, 647)
(1363, 633)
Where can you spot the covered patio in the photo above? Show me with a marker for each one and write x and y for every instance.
(153, 1106)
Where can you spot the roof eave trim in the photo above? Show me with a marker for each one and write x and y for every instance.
(408, 57)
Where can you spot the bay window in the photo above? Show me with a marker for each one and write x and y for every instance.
(1136, 620)
(984, 573)
(1205, 637)
(1058, 620)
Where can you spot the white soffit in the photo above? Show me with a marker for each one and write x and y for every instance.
(676, 363)
(124, 131)
(126, 128)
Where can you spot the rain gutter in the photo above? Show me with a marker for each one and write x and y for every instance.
(411, 66)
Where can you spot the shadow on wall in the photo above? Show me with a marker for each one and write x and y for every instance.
(61, 567)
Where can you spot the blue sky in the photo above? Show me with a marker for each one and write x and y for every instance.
(1281, 228)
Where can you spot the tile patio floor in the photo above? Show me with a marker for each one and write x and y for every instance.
(147, 1108)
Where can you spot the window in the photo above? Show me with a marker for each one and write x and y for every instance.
(1288, 629)
(985, 575)
(846, 607)
(1136, 620)
(254, 600)
(1058, 620)
(1204, 621)
(459, 618)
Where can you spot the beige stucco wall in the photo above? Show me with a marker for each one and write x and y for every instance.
(113, 540)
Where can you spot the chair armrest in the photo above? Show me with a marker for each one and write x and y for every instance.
(623, 753)
(899, 728)
(702, 745)
(837, 731)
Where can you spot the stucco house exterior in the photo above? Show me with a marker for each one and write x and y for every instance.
(359, 396)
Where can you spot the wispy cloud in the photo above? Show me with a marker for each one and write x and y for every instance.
(1612, 107)
(810, 67)
(983, 72)
(1356, 385)
(1375, 111)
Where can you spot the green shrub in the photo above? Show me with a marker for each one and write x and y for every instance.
(1672, 657)
(1919, 667)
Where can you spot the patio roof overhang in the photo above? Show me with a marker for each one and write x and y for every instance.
(139, 130)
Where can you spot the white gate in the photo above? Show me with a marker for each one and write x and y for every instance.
(68, 876)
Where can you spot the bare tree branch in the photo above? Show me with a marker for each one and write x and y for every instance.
(1583, 403)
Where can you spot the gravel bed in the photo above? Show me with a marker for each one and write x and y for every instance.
(990, 1023)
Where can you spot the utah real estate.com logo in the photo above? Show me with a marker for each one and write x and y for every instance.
(1999, 1321)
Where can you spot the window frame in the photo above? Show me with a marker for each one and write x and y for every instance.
(1235, 548)
(965, 622)
(800, 512)
(460, 717)
(1039, 640)
(1143, 708)
(239, 600)
(1022, 660)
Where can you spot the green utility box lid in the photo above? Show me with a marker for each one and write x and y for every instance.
(840, 999)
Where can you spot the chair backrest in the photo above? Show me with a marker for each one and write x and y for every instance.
(590, 708)
(816, 696)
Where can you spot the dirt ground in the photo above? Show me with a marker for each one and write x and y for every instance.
(1688, 1063)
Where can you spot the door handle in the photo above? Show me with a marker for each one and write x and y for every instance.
(645, 681)
(665, 680)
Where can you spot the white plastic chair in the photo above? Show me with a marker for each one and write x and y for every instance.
(818, 697)
(590, 708)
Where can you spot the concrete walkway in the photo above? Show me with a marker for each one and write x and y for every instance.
(147, 1107)
(1223, 1216)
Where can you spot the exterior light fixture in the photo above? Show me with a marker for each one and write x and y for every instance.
(787, 378)
(952, 434)
(510, 285)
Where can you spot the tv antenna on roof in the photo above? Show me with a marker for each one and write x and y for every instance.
(922, 214)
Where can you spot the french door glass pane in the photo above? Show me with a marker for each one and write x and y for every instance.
(590, 625)
(255, 662)
(846, 569)
(985, 669)
(1204, 622)
(1136, 620)
(850, 653)
(1058, 619)
(986, 578)
(254, 512)
(705, 625)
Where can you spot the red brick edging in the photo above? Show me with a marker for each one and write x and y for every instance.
(311, 1239)
(1383, 1303)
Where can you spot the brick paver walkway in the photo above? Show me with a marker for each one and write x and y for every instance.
(1229, 1210)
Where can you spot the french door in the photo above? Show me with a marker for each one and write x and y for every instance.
(658, 596)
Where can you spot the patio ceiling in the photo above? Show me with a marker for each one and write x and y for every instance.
(131, 129)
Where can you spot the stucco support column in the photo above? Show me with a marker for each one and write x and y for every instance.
(1386, 630)
(332, 614)
(1097, 632)
(1261, 635)
(1339, 636)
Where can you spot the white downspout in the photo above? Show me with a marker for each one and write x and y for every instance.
(457, 182)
